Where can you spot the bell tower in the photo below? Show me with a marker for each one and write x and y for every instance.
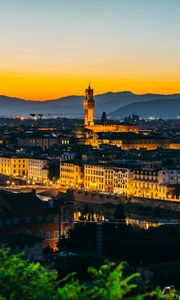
(89, 103)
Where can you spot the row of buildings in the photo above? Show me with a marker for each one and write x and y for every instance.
(140, 179)
(130, 140)
(28, 168)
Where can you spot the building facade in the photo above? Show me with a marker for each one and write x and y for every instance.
(38, 169)
(14, 166)
(89, 104)
(71, 174)
(148, 181)
(25, 213)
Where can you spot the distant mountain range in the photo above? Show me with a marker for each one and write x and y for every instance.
(118, 104)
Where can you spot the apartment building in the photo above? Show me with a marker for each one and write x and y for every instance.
(155, 184)
(71, 174)
(38, 169)
(14, 166)
(108, 179)
(94, 177)
(148, 180)
(25, 213)
(31, 168)
(123, 178)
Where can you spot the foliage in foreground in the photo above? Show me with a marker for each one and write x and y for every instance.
(21, 279)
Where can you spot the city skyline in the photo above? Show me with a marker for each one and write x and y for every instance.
(51, 49)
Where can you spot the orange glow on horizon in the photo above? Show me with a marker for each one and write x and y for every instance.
(52, 87)
(51, 49)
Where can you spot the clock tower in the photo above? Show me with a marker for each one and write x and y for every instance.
(89, 103)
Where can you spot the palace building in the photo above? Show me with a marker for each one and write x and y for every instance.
(89, 104)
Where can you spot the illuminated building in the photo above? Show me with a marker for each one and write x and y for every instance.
(38, 169)
(89, 104)
(94, 178)
(34, 169)
(174, 145)
(146, 185)
(71, 174)
(99, 178)
(149, 181)
(128, 140)
(155, 183)
(14, 166)
(107, 179)
(123, 179)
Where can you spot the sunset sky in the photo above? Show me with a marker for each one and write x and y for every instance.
(53, 48)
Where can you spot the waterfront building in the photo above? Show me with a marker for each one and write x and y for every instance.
(71, 174)
(14, 166)
(38, 169)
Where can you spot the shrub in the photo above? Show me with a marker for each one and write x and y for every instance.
(23, 280)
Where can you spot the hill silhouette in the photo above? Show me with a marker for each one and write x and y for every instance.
(115, 104)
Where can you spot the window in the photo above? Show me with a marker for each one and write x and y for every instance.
(48, 235)
(56, 234)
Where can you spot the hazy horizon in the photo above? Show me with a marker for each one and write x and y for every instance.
(96, 94)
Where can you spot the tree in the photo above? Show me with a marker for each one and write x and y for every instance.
(21, 279)
(104, 118)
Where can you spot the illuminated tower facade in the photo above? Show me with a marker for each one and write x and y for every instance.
(89, 103)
